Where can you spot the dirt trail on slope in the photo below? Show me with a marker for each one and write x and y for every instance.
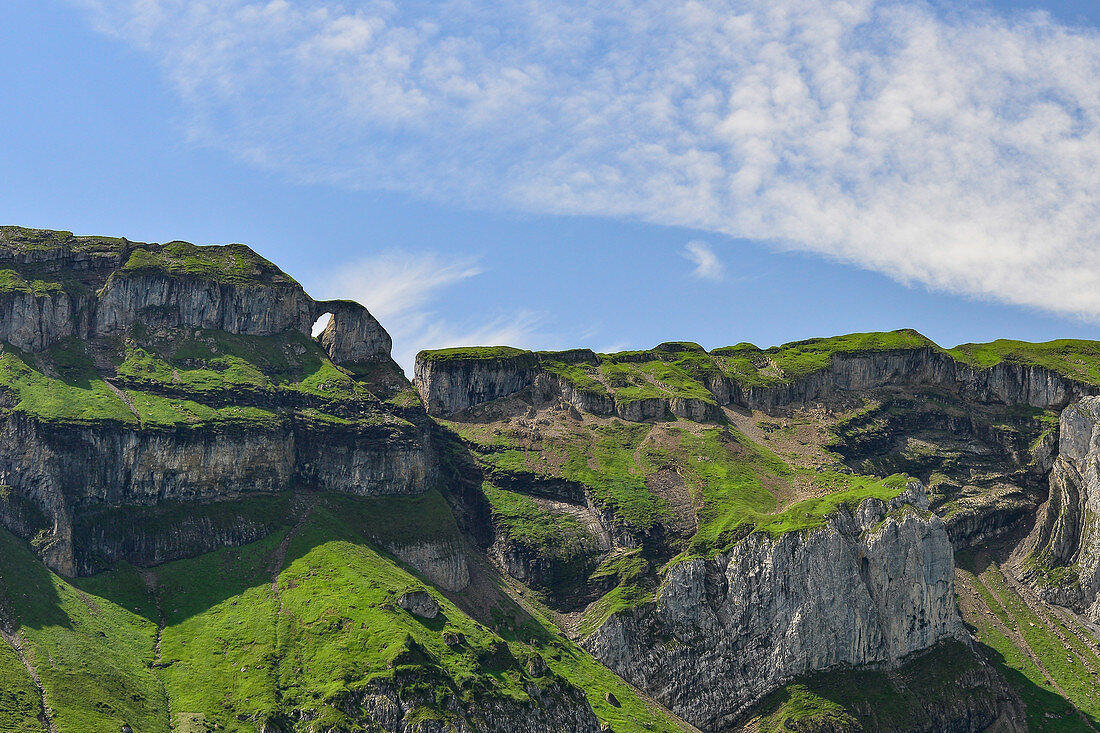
(278, 558)
(152, 584)
(12, 638)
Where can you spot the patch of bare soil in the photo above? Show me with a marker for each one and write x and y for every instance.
(670, 486)
(799, 437)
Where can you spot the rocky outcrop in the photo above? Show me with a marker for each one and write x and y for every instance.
(865, 589)
(48, 282)
(54, 286)
(448, 386)
(371, 460)
(552, 706)
(442, 562)
(419, 603)
(1064, 546)
(352, 335)
(32, 322)
(451, 385)
(1005, 382)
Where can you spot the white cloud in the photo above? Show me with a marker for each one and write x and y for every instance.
(401, 289)
(394, 283)
(947, 147)
(707, 264)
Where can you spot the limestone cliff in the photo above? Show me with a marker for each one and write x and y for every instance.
(54, 285)
(136, 375)
(688, 382)
(54, 474)
(560, 708)
(447, 386)
(1064, 546)
(866, 589)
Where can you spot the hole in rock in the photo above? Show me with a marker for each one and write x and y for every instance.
(320, 324)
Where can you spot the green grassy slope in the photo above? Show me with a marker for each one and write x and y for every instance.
(1076, 359)
(91, 653)
(233, 264)
(1048, 659)
(238, 651)
(19, 701)
(734, 482)
(750, 366)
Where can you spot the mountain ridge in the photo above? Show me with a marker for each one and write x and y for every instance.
(262, 531)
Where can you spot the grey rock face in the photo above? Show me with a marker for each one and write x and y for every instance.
(450, 386)
(1004, 382)
(353, 335)
(52, 474)
(31, 322)
(443, 563)
(1066, 539)
(553, 707)
(419, 603)
(33, 317)
(447, 387)
(170, 302)
(865, 590)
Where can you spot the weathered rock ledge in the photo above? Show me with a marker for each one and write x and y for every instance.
(452, 385)
(865, 589)
(51, 474)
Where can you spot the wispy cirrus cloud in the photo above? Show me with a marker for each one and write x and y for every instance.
(396, 282)
(402, 289)
(707, 264)
(948, 147)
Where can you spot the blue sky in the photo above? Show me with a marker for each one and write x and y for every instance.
(595, 175)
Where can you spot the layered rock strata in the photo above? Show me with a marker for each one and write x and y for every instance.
(449, 386)
(868, 588)
(60, 478)
(57, 285)
(1063, 549)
